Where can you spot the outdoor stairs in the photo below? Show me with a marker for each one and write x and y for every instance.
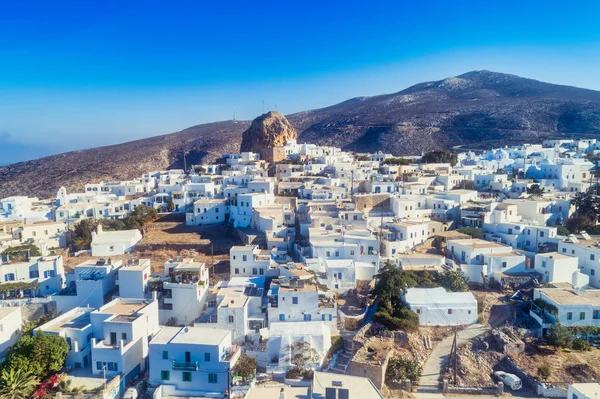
(345, 355)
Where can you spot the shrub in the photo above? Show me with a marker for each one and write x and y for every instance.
(560, 337)
(294, 373)
(401, 368)
(544, 372)
(581, 344)
(474, 232)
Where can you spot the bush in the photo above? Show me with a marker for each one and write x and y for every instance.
(401, 368)
(581, 344)
(544, 372)
(293, 374)
(560, 337)
(402, 320)
(474, 232)
(562, 231)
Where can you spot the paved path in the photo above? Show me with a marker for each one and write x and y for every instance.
(433, 367)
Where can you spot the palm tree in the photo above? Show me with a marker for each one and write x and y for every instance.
(16, 384)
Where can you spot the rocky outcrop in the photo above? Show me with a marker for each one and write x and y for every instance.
(268, 130)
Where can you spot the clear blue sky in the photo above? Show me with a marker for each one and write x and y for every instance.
(77, 74)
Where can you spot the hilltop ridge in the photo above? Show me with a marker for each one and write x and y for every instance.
(477, 110)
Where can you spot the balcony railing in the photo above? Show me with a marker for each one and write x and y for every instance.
(187, 366)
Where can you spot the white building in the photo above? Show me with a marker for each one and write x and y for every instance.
(109, 243)
(587, 250)
(47, 233)
(11, 324)
(122, 329)
(559, 268)
(249, 261)
(283, 335)
(47, 272)
(133, 278)
(192, 361)
(590, 390)
(436, 307)
(207, 211)
(184, 293)
(575, 307)
(295, 300)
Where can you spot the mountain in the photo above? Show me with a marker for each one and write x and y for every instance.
(475, 110)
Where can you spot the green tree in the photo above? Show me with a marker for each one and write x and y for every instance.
(474, 232)
(454, 281)
(81, 237)
(560, 337)
(401, 368)
(581, 344)
(443, 156)
(245, 368)
(16, 384)
(140, 216)
(535, 190)
(112, 224)
(38, 355)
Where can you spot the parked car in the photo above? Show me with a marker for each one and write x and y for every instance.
(509, 380)
(130, 393)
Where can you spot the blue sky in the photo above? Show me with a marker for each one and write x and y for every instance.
(77, 74)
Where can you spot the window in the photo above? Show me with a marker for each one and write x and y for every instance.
(294, 300)
(564, 250)
(111, 366)
(231, 319)
(124, 336)
(418, 311)
(9, 277)
(449, 311)
(592, 256)
(543, 263)
(596, 314)
(34, 274)
(592, 272)
(541, 233)
(100, 365)
(33, 233)
(326, 317)
(254, 270)
(504, 264)
(307, 317)
(244, 258)
(469, 312)
(206, 356)
(581, 315)
(237, 271)
(569, 316)
(337, 253)
(281, 317)
(328, 253)
(186, 376)
(212, 378)
(261, 271)
(352, 253)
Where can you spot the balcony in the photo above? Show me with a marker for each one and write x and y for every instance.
(186, 366)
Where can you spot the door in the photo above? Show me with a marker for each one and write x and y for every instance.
(113, 338)
(188, 357)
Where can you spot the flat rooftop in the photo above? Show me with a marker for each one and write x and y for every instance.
(478, 243)
(8, 310)
(568, 296)
(555, 255)
(123, 308)
(142, 264)
(273, 392)
(435, 296)
(77, 320)
(358, 387)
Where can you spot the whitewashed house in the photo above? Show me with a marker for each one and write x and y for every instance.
(559, 268)
(249, 261)
(46, 271)
(283, 335)
(133, 278)
(122, 330)
(192, 362)
(587, 250)
(109, 243)
(207, 211)
(437, 307)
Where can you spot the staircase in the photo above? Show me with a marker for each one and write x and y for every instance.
(345, 355)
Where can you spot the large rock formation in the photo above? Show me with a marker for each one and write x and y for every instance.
(268, 130)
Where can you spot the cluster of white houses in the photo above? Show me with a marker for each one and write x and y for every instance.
(327, 219)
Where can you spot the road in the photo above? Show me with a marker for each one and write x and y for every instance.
(433, 367)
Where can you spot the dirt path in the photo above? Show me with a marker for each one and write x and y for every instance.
(433, 367)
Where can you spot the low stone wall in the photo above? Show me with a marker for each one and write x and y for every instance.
(375, 372)
(358, 318)
(551, 391)
(472, 390)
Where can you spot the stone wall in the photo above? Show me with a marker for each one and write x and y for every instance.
(551, 391)
(33, 311)
(272, 154)
(375, 372)
(368, 202)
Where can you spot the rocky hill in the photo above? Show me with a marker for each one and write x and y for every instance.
(475, 110)
(269, 130)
